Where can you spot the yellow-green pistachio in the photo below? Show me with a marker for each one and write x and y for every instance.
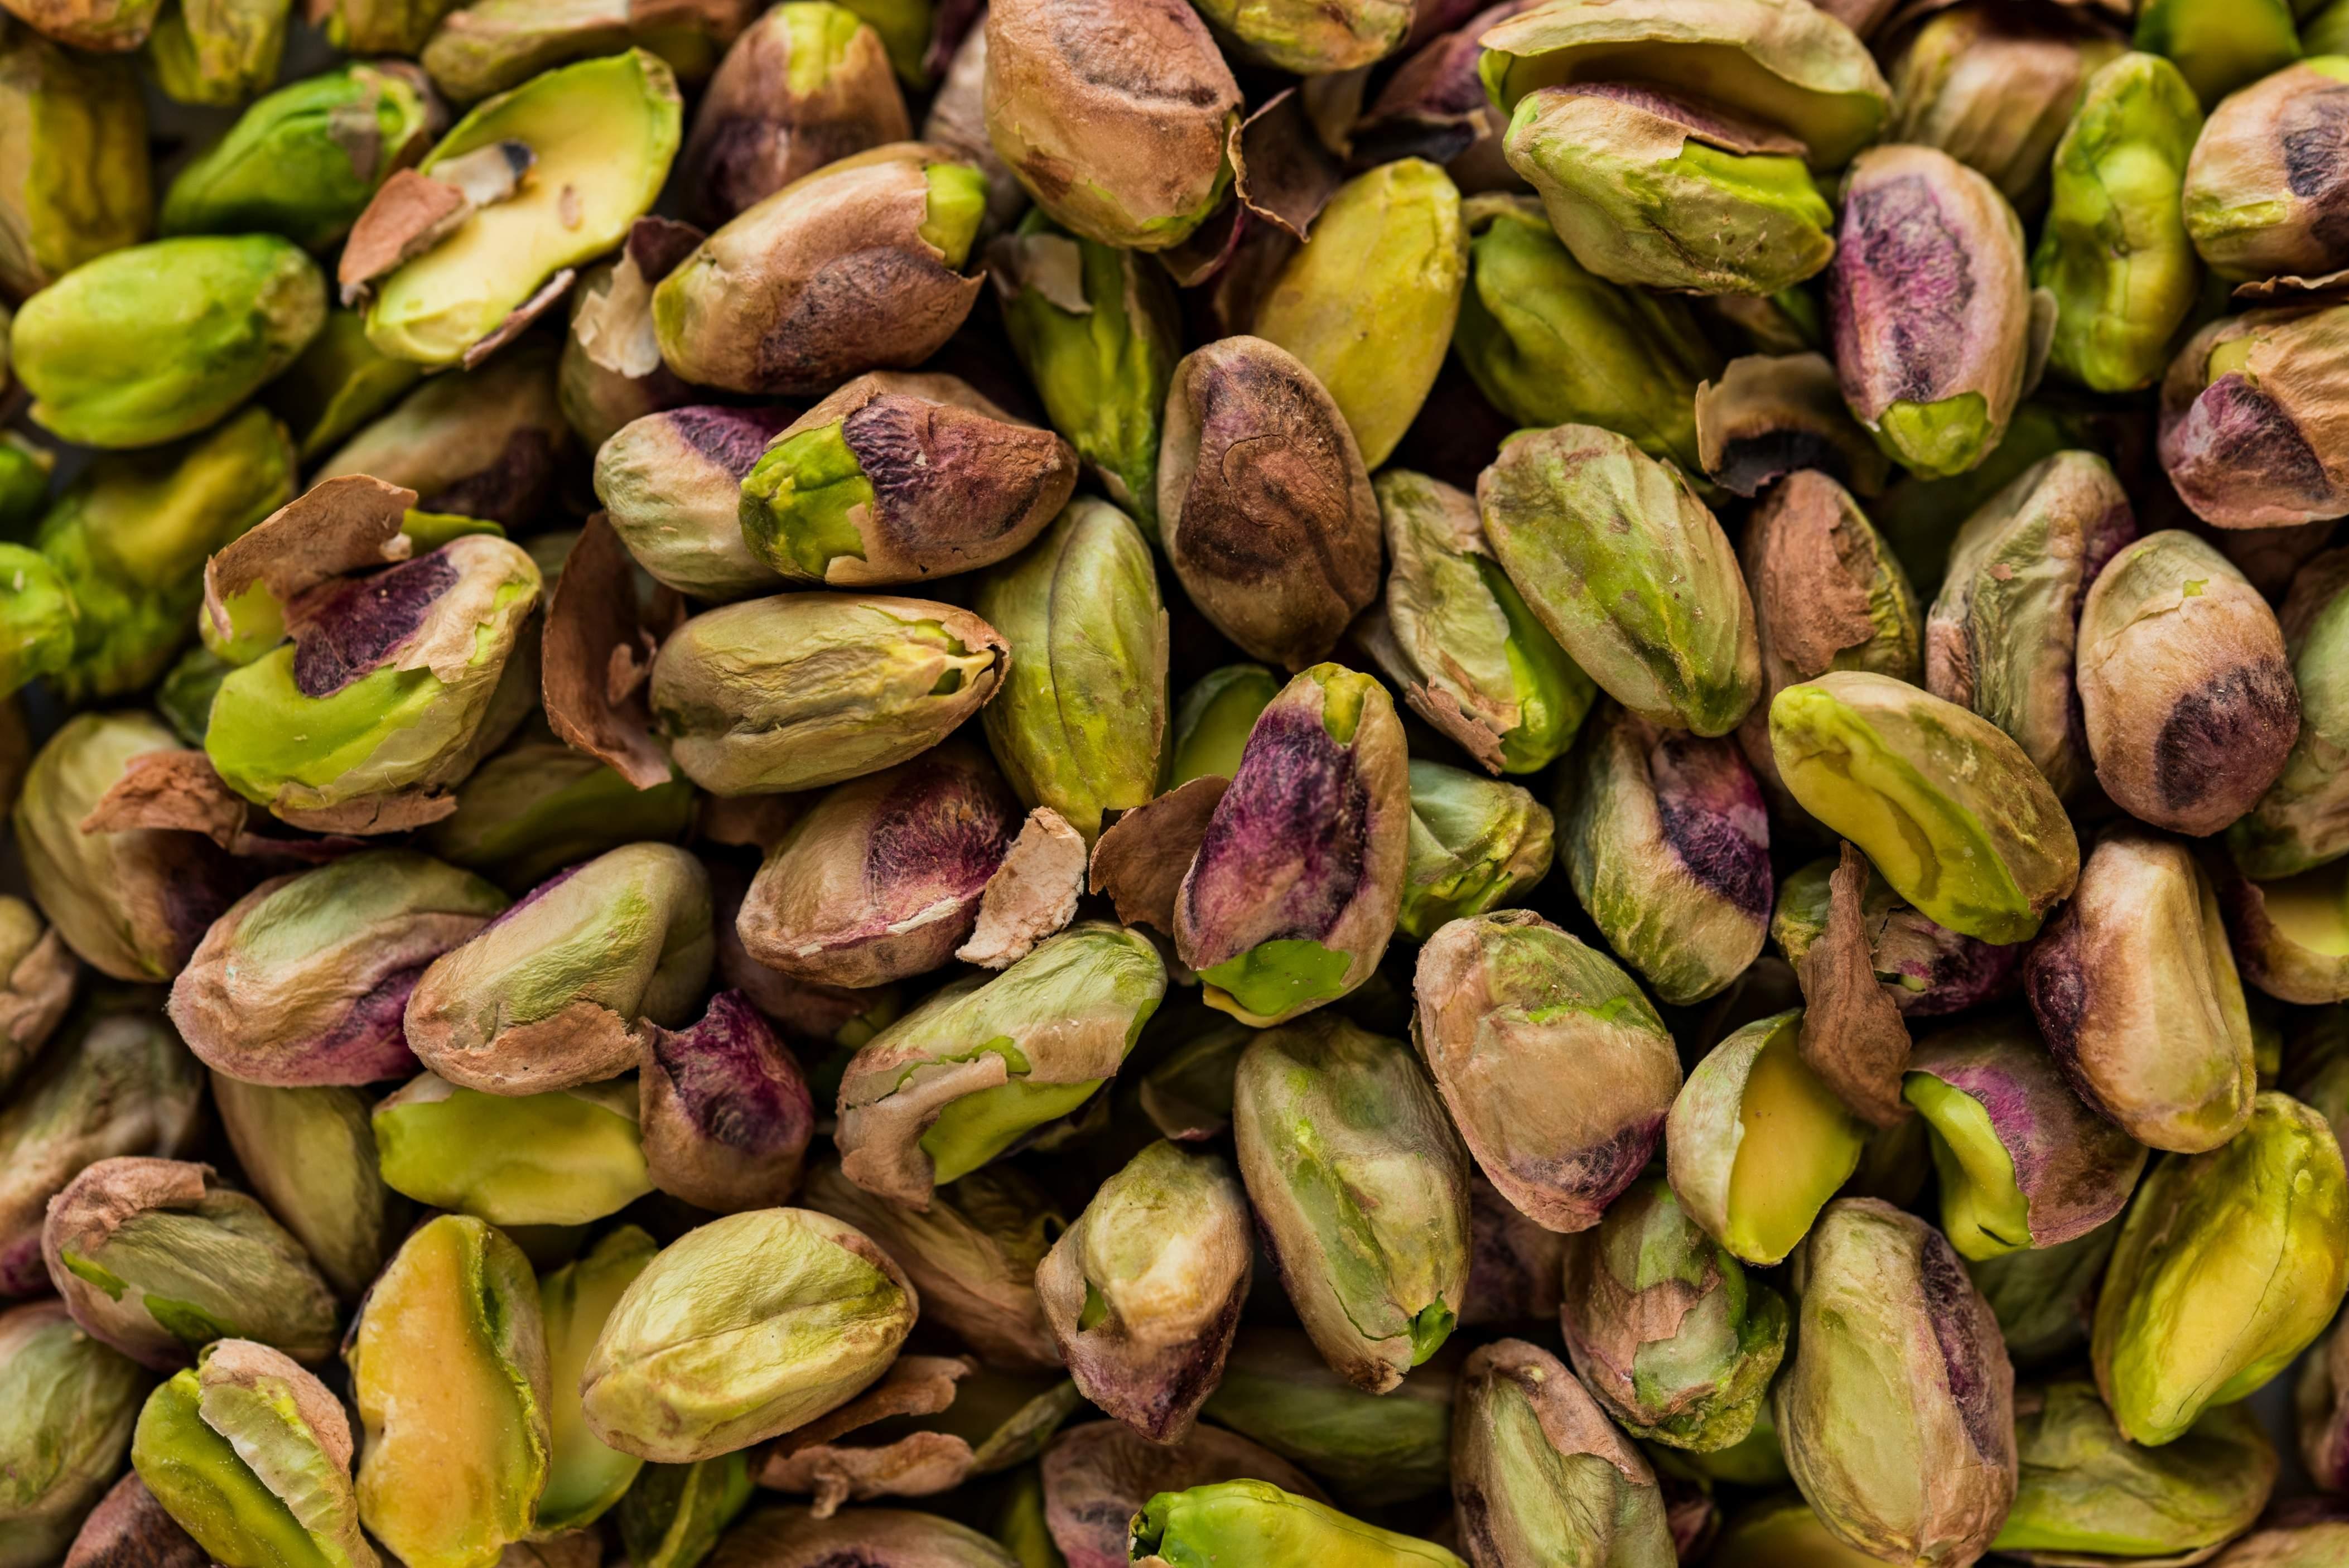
(1255, 1522)
(337, 385)
(2044, 1297)
(805, 1313)
(674, 1514)
(2229, 1265)
(310, 1155)
(1264, 505)
(2258, 194)
(2302, 821)
(379, 26)
(490, 46)
(1623, 564)
(1771, 416)
(1372, 1448)
(611, 371)
(1947, 807)
(671, 483)
(1897, 1409)
(2219, 47)
(185, 695)
(1096, 1476)
(2185, 685)
(2291, 937)
(37, 983)
(1311, 39)
(725, 1111)
(74, 170)
(538, 805)
(759, 307)
(563, 1156)
(808, 689)
(70, 1403)
(2253, 413)
(449, 1371)
(1213, 719)
(2116, 251)
(1475, 844)
(1994, 88)
(37, 618)
(217, 52)
(584, 1479)
(1783, 1532)
(481, 443)
(129, 1529)
(25, 464)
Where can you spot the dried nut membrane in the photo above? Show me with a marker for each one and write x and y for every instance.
(1947, 807)
(37, 983)
(611, 371)
(310, 1155)
(2136, 994)
(671, 484)
(75, 182)
(2302, 820)
(2262, 187)
(1993, 88)
(1476, 844)
(1255, 1521)
(584, 1479)
(742, 1329)
(1757, 1142)
(2250, 418)
(2290, 938)
(1097, 1475)
(71, 1402)
(1371, 1448)
(563, 1156)
(2229, 1264)
(1897, 1409)
(724, 1110)
(1766, 416)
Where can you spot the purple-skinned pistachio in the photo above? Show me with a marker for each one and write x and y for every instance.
(671, 484)
(2136, 994)
(882, 878)
(1667, 842)
(1931, 969)
(1296, 887)
(1508, 1004)
(2262, 197)
(1097, 1476)
(1994, 89)
(2252, 414)
(723, 1110)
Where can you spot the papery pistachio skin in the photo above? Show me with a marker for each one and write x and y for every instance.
(1775, 415)
(892, 1538)
(38, 976)
(2115, 250)
(1667, 843)
(2229, 1264)
(129, 1529)
(808, 689)
(2302, 821)
(563, 1156)
(488, 46)
(449, 1372)
(1294, 892)
(74, 184)
(1265, 507)
(1476, 844)
(939, 1093)
(1096, 1476)
(1361, 1190)
(72, 1402)
(479, 443)
(98, 25)
(538, 805)
(1665, 1326)
(747, 1327)
(1898, 1408)
(1659, 617)
(233, 312)
(2185, 685)
(2136, 994)
(725, 1115)
(1994, 89)
(1931, 307)
(854, 266)
(2002, 633)
(584, 1479)
(310, 1155)
(554, 991)
(1947, 807)
(611, 373)
(2259, 197)
(1137, 164)
(671, 483)
(2044, 1297)
(675, 1514)
(1080, 725)
(1255, 1521)
(1539, 1475)
(2251, 417)
(1370, 1447)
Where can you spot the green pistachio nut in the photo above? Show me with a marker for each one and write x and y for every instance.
(1360, 1192)
(1080, 722)
(1934, 371)
(1311, 39)
(26, 465)
(1291, 898)
(1658, 614)
(956, 120)
(2044, 1297)
(2290, 938)
(1946, 806)
(565, 1157)
(481, 443)
(1098, 330)
(2229, 1264)
(1213, 719)
(598, 137)
(73, 170)
(1993, 89)
(71, 1403)
(557, 991)
(2219, 48)
(490, 46)
(759, 306)
(217, 52)
(340, 383)
(806, 1312)
(252, 1456)
(37, 618)
(449, 1371)
(986, 1061)
(379, 26)
(539, 805)
(674, 1514)
(671, 484)
(2247, 418)
(1371, 1448)
(310, 1155)
(2116, 251)
(2249, 205)
(1475, 844)
(37, 983)
(2302, 821)
(1549, 342)
(1665, 1328)
(808, 689)
(1783, 1532)
(584, 1479)
(1255, 1521)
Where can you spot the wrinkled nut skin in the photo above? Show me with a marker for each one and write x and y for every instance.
(886, 1537)
(724, 1109)
(671, 484)
(304, 980)
(37, 983)
(881, 879)
(2002, 633)
(1929, 305)
(2135, 988)
(2262, 198)
(1932, 970)
(2185, 685)
(72, 1402)
(482, 443)
(1313, 39)
(1667, 843)
(2251, 418)
(1264, 504)
(74, 180)
(129, 1529)
(310, 1155)
(1360, 1192)
(1629, 571)
(806, 1313)
(1475, 844)
(1134, 160)
(1897, 1410)
(1256, 1521)
(1778, 412)
(1994, 90)
(2302, 821)
(610, 373)
(2229, 1264)
(1096, 1477)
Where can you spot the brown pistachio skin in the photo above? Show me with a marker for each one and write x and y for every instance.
(2261, 443)
(1097, 1476)
(2264, 194)
(1265, 507)
(855, 1538)
(129, 1529)
(723, 1110)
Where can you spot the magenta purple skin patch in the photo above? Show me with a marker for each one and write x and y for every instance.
(1292, 829)
(1900, 295)
(369, 1043)
(345, 629)
(1711, 813)
(2235, 446)
(1955, 1312)
(733, 439)
(736, 1081)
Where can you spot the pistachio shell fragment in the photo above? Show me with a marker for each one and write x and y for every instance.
(2248, 412)
(2290, 938)
(310, 1154)
(1931, 969)
(611, 371)
(1763, 416)
(1255, 1521)
(72, 1402)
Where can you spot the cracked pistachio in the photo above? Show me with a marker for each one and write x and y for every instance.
(157, 1259)
(883, 1537)
(671, 483)
(217, 52)
(1667, 842)
(2259, 200)
(759, 307)
(1309, 38)
(2302, 821)
(2229, 1264)
(563, 1156)
(1950, 811)
(1360, 1192)
(1659, 617)
(1255, 1522)
(1772, 415)
(538, 805)
(490, 46)
(2044, 1297)
(449, 1371)
(2252, 413)
(252, 1456)
(556, 990)
(1757, 1142)
(481, 443)
(725, 1111)
(1096, 1476)
(1994, 88)
(2185, 685)
(808, 689)
(2290, 938)
(584, 1479)
(36, 619)
(2002, 635)
(337, 384)
(74, 170)
(1506, 1002)
(1212, 721)
(67, 1406)
(1371, 1449)
(310, 1155)
(2220, 48)
(675, 1514)
(36, 982)
(1475, 844)
(2136, 994)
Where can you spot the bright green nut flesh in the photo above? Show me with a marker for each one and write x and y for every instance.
(1255, 1522)
(563, 1158)
(1984, 1213)
(798, 500)
(2085, 1489)
(2219, 48)
(585, 1477)
(674, 1514)
(37, 618)
(1475, 844)
(1213, 719)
